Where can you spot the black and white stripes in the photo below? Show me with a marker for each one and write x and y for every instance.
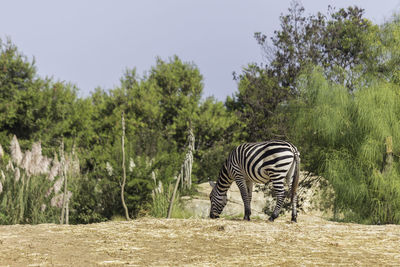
(275, 160)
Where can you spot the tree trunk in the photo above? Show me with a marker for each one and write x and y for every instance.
(123, 168)
(67, 213)
(64, 172)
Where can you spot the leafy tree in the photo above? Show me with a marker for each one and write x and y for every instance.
(257, 104)
(297, 44)
(37, 109)
(217, 132)
(180, 85)
(338, 42)
(386, 46)
(342, 43)
(341, 136)
(18, 84)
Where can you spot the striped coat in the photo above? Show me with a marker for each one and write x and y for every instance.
(276, 161)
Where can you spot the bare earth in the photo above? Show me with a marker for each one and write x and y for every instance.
(201, 242)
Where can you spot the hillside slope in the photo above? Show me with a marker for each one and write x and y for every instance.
(201, 242)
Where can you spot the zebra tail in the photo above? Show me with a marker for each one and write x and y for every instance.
(296, 177)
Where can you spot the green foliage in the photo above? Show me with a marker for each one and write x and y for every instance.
(341, 42)
(160, 204)
(86, 201)
(217, 132)
(258, 104)
(139, 186)
(33, 108)
(342, 138)
(17, 83)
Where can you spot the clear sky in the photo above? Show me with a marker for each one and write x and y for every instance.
(91, 42)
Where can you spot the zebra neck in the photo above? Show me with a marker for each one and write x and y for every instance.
(223, 186)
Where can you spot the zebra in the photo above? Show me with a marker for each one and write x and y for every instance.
(250, 163)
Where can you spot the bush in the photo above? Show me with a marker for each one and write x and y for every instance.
(341, 136)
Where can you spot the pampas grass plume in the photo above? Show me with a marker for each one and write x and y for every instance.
(57, 200)
(10, 166)
(16, 153)
(58, 184)
(26, 161)
(54, 170)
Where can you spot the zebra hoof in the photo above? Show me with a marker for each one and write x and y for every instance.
(294, 219)
(273, 217)
(246, 218)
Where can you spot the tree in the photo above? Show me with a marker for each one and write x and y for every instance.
(338, 42)
(18, 85)
(386, 46)
(341, 136)
(217, 131)
(342, 43)
(257, 104)
(123, 169)
(180, 86)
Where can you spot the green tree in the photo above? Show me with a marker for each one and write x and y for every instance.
(343, 43)
(386, 46)
(180, 85)
(338, 42)
(341, 136)
(258, 104)
(217, 131)
(34, 108)
(18, 84)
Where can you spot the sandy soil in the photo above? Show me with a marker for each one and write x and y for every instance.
(201, 242)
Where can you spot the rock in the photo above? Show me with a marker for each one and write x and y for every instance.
(310, 199)
(200, 205)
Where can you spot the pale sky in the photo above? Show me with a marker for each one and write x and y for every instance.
(91, 42)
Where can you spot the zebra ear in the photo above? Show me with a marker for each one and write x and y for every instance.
(211, 183)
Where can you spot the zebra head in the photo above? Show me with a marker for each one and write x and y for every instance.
(218, 201)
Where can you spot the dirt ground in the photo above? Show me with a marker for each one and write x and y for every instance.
(201, 242)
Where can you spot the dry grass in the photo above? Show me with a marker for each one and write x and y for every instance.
(201, 242)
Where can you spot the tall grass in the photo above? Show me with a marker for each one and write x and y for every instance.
(24, 200)
(160, 204)
(30, 186)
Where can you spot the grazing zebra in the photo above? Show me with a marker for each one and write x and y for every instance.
(258, 162)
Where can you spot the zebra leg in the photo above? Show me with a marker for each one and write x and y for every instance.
(293, 198)
(241, 183)
(294, 207)
(295, 184)
(249, 185)
(280, 195)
